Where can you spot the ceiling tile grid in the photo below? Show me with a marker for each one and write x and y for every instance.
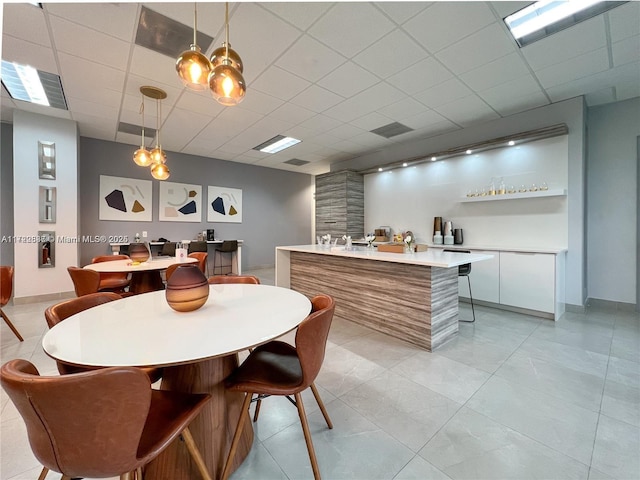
(327, 73)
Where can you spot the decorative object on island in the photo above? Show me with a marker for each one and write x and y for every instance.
(370, 239)
(226, 81)
(457, 236)
(187, 288)
(192, 65)
(138, 252)
(408, 241)
(437, 225)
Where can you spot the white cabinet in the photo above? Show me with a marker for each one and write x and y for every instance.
(484, 277)
(528, 280)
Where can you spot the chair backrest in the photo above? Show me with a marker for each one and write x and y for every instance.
(63, 310)
(170, 269)
(82, 425)
(109, 258)
(227, 246)
(168, 249)
(202, 259)
(6, 284)
(250, 279)
(84, 281)
(464, 269)
(197, 247)
(311, 337)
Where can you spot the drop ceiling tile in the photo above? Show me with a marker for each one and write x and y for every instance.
(259, 102)
(599, 97)
(180, 128)
(626, 51)
(320, 123)
(424, 119)
(506, 106)
(279, 83)
(104, 127)
(27, 53)
(292, 113)
(87, 107)
(467, 111)
(350, 27)
(22, 14)
(506, 8)
(233, 121)
(147, 63)
(477, 49)
(316, 99)
(348, 146)
(345, 131)
(348, 79)
(403, 108)
(444, 23)
(398, 50)
(371, 121)
(624, 21)
(494, 73)
(566, 44)
(117, 19)
(400, 12)
(200, 102)
(372, 99)
(420, 76)
(78, 73)
(301, 15)
(443, 93)
(626, 89)
(94, 45)
(519, 87)
(174, 91)
(371, 140)
(270, 127)
(575, 68)
(309, 59)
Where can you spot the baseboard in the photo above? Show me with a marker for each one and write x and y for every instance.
(575, 308)
(49, 297)
(612, 305)
(499, 306)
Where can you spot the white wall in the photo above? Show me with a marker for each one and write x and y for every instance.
(28, 129)
(409, 198)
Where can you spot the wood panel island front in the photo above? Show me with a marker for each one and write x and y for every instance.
(411, 296)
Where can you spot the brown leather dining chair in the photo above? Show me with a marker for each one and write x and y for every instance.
(102, 423)
(248, 279)
(84, 281)
(202, 260)
(63, 310)
(112, 281)
(278, 368)
(6, 289)
(170, 269)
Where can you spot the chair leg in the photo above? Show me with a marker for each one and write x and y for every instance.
(138, 474)
(471, 298)
(11, 326)
(236, 437)
(43, 473)
(307, 437)
(325, 414)
(195, 454)
(257, 412)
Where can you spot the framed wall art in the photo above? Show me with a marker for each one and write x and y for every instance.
(224, 204)
(180, 202)
(125, 199)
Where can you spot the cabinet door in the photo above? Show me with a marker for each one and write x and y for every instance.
(527, 280)
(484, 278)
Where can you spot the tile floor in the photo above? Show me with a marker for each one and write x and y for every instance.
(512, 397)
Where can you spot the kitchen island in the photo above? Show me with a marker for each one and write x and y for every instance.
(411, 296)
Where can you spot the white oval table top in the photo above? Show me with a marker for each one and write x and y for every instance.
(142, 330)
(118, 266)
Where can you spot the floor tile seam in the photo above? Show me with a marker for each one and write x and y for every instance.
(284, 474)
(619, 421)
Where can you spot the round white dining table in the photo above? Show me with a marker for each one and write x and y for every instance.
(197, 351)
(145, 276)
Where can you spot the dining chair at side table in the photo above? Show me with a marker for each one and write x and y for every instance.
(220, 279)
(464, 271)
(84, 281)
(100, 424)
(278, 368)
(6, 288)
(112, 281)
(63, 310)
(222, 250)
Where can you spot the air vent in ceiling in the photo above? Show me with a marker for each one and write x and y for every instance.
(164, 35)
(391, 130)
(136, 130)
(297, 162)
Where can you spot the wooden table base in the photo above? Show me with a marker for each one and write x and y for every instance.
(146, 281)
(212, 430)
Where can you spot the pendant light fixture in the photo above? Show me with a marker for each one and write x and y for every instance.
(192, 65)
(142, 157)
(159, 169)
(225, 81)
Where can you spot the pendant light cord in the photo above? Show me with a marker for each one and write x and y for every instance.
(142, 112)
(226, 22)
(195, 22)
(159, 110)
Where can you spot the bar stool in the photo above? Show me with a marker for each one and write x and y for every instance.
(464, 271)
(226, 247)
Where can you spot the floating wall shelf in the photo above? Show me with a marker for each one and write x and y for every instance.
(517, 195)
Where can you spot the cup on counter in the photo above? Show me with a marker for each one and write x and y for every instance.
(437, 239)
(448, 239)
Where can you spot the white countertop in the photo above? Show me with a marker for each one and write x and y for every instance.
(430, 258)
(554, 250)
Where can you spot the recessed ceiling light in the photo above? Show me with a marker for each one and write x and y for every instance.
(28, 84)
(380, 169)
(433, 159)
(405, 164)
(547, 17)
(277, 144)
(511, 143)
(468, 152)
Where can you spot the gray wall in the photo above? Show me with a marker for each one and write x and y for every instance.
(277, 204)
(6, 192)
(612, 212)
